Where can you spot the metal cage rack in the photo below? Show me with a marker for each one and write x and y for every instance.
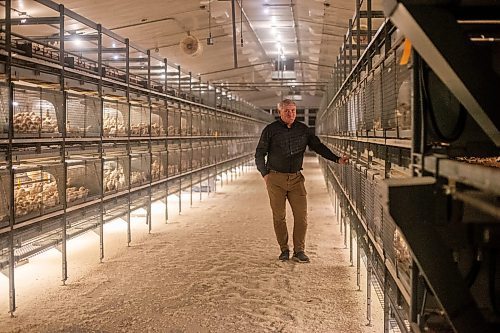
(89, 136)
(416, 197)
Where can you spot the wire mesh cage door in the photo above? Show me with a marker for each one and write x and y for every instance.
(139, 119)
(389, 95)
(212, 152)
(173, 159)
(361, 108)
(196, 121)
(196, 157)
(174, 121)
(116, 176)
(140, 169)
(83, 181)
(115, 119)
(4, 110)
(205, 153)
(83, 116)
(186, 156)
(403, 101)
(37, 112)
(158, 165)
(5, 189)
(185, 120)
(158, 120)
(37, 190)
(369, 115)
(377, 100)
(351, 113)
(204, 122)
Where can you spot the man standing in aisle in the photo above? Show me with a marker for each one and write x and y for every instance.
(284, 142)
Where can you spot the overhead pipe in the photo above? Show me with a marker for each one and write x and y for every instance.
(233, 17)
(259, 43)
(295, 25)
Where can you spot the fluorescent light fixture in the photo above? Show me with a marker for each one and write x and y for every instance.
(115, 57)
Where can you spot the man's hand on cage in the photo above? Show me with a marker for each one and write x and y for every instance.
(344, 160)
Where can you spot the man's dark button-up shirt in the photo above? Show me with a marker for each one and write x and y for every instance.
(285, 147)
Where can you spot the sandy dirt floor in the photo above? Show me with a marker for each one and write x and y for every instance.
(213, 268)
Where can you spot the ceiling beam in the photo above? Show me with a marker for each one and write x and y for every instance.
(233, 21)
(231, 69)
(177, 43)
(33, 20)
(297, 37)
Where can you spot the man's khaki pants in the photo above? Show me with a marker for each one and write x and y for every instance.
(282, 186)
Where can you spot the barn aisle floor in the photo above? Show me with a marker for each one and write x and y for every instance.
(213, 268)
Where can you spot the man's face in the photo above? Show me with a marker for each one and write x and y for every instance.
(288, 112)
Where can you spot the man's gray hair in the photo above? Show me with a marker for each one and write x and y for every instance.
(286, 102)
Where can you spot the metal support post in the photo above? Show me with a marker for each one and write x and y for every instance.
(349, 31)
(340, 217)
(180, 137)
(334, 197)
(8, 43)
(64, 256)
(351, 257)
(369, 255)
(129, 229)
(127, 79)
(358, 255)
(148, 206)
(165, 72)
(191, 143)
(101, 149)
(344, 219)
(414, 302)
(148, 211)
(216, 135)
(387, 303)
(166, 200)
(201, 130)
(200, 182)
(358, 28)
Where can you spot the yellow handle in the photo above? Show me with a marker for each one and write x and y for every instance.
(406, 52)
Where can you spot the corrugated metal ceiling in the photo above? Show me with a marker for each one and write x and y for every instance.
(310, 32)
